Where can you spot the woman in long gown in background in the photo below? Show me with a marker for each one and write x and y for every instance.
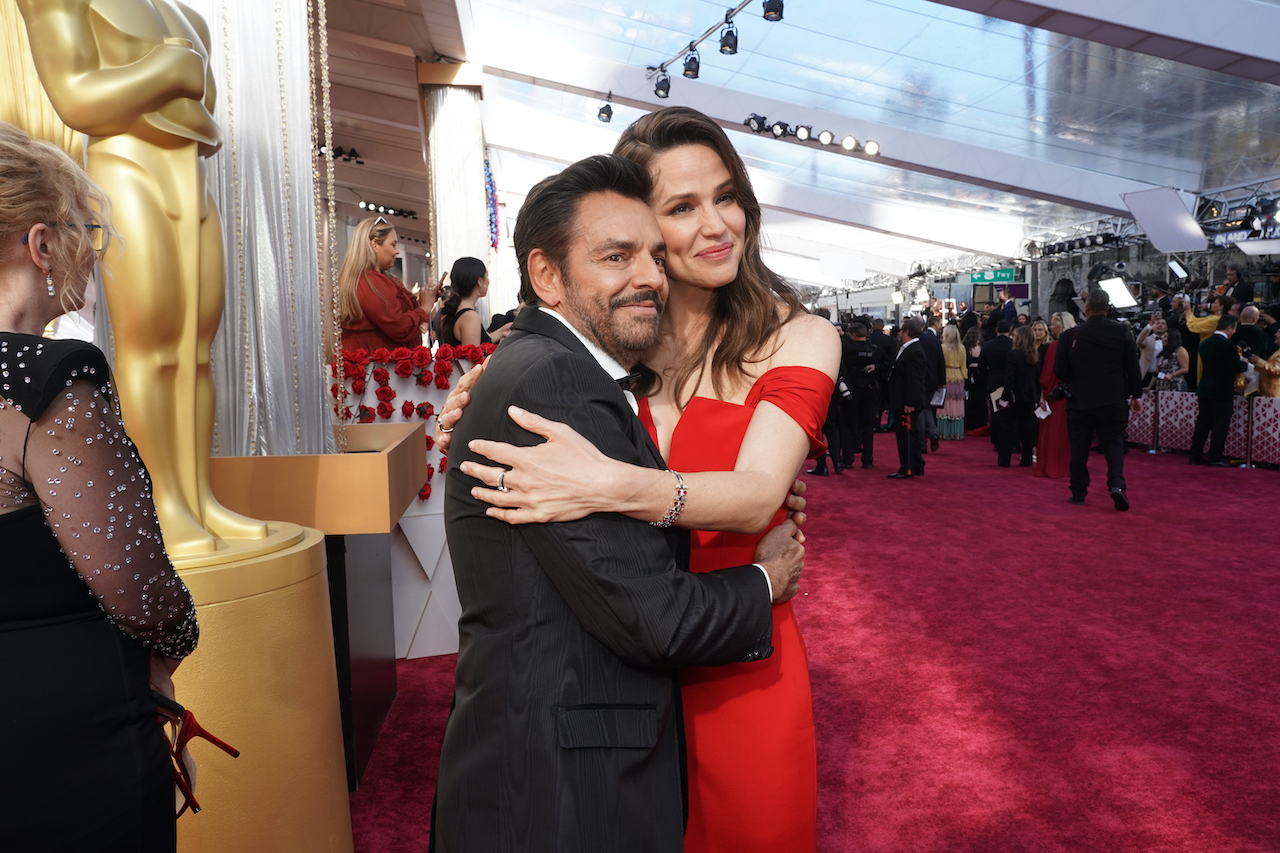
(734, 396)
(1053, 450)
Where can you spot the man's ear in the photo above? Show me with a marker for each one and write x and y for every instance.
(544, 275)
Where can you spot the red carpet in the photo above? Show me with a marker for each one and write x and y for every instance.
(997, 670)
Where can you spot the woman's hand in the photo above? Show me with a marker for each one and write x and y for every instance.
(451, 412)
(427, 295)
(563, 479)
(162, 669)
(795, 504)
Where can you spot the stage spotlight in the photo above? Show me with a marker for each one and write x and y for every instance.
(729, 39)
(803, 132)
(391, 211)
(352, 155)
(338, 152)
(758, 123)
(362, 204)
(605, 113)
(692, 63)
(773, 10)
(1034, 249)
(779, 129)
(381, 209)
(663, 87)
(849, 143)
(871, 148)
(826, 137)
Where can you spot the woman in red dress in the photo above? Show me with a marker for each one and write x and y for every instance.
(377, 310)
(1053, 451)
(734, 396)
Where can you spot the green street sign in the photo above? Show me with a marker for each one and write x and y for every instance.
(992, 276)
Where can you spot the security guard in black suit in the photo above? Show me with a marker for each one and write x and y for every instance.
(865, 367)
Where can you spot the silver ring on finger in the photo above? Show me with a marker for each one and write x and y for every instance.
(501, 486)
(444, 430)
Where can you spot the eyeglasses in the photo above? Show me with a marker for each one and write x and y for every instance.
(97, 234)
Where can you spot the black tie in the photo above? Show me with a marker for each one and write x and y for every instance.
(628, 382)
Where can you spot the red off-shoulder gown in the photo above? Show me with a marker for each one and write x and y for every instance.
(753, 778)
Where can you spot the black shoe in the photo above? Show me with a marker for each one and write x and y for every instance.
(840, 469)
(866, 464)
(1198, 460)
(1118, 498)
(1078, 501)
(1002, 464)
(919, 473)
(815, 472)
(1026, 463)
(934, 444)
(901, 475)
(1221, 463)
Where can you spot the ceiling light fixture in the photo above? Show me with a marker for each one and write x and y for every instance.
(773, 10)
(729, 37)
(605, 114)
(826, 137)
(662, 88)
(849, 143)
(692, 63)
(803, 132)
(871, 148)
(757, 123)
(779, 129)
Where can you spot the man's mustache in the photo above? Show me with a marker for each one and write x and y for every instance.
(649, 296)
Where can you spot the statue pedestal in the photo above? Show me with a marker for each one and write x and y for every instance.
(263, 680)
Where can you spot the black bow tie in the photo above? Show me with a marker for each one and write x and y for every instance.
(628, 382)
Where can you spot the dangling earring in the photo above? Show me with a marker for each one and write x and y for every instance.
(48, 280)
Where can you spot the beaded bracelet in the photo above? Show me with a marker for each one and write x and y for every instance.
(677, 503)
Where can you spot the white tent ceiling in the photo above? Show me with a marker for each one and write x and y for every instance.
(991, 129)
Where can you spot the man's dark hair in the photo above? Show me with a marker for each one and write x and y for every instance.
(549, 216)
(877, 324)
(1226, 323)
(1239, 270)
(858, 330)
(1003, 327)
(913, 327)
(1099, 301)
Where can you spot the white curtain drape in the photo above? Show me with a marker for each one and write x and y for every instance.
(267, 357)
(455, 161)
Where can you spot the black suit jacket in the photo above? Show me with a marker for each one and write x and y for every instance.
(565, 732)
(993, 360)
(1099, 362)
(906, 380)
(1222, 362)
(1021, 378)
(935, 372)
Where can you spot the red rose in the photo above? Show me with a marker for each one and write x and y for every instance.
(421, 357)
(333, 368)
(381, 376)
(385, 411)
(424, 378)
(381, 354)
(488, 349)
(346, 413)
(407, 409)
(404, 369)
(347, 355)
(443, 367)
(424, 492)
(431, 472)
(425, 410)
(444, 351)
(351, 370)
(362, 357)
(431, 442)
(357, 386)
(366, 415)
(385, 394)
(401, 353)
(336, 390)
(444, 464)
(442, 382)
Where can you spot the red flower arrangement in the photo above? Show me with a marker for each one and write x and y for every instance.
(385, 411)
(425, 410)
(426, 368)
(431, 442)
(380, 354)
(444, 464)
(407, 409)
(381, 376)
(404, 369)
(385, 394)
(424, 492)
(365, 415)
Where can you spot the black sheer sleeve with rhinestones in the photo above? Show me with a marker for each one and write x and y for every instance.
(97, 500)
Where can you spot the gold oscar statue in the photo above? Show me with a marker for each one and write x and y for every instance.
(133, 76)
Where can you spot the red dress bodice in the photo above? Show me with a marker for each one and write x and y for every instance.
(749, 725)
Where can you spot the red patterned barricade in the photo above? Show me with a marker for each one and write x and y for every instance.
(1176, 419)
(1142, 425)
(1264, 444)
(1238, 434)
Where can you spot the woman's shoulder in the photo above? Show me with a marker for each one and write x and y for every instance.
(33, 370)
(807, 340)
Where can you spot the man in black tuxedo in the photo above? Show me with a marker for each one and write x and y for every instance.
(565, 732)
(992, 364)
(1216, 393)
(1098, 362)
(1236, 286)
(864, 365)
(889, 344)
(935, 377)
(907, 398)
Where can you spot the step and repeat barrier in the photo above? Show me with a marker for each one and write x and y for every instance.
(1168, 422)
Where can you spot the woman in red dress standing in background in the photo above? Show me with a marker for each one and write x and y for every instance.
(734, 395)
(1053, 451)
(377, 310)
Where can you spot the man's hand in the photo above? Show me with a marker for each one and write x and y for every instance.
(451, 412)
(909, 409)
(1136, 405)
(782, 556)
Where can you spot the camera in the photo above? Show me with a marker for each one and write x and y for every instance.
(1246, 353)
(1060, 392)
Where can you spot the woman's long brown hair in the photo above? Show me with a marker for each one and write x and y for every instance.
(745, 314)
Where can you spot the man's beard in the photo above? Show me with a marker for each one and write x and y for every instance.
(624, 341)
